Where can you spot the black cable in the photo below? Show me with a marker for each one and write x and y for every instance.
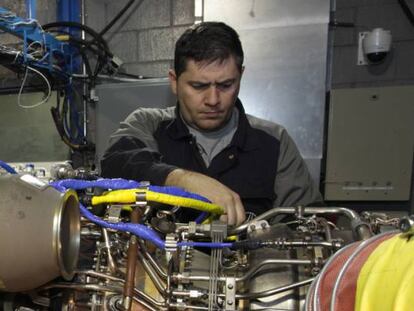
(130, 75)
(116, 18)
(85, 28)
(341, 24)
(84, 45)
(407, 11)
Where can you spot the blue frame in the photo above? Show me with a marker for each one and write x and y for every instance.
(31, 6)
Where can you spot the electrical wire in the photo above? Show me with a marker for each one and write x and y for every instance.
(7, 167)
(45, 99)
(116, 18)
(100, 40)
(407, 11)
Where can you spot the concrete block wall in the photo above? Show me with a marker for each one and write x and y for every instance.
(398, 69)
(144, 37)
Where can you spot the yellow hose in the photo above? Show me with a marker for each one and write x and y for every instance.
(129, 197)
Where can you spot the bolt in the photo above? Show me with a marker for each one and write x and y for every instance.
(229, 302)
(253, 227)
(230, 286)
(406, 223)
(263, 224)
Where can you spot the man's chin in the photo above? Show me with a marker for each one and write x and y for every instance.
(210, 125)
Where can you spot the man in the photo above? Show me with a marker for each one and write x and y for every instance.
(207, 144)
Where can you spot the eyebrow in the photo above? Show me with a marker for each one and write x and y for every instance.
(231, 80)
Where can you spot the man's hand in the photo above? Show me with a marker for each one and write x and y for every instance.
(213, 190)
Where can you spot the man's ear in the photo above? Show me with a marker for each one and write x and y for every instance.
(173, 81)
(242, 70)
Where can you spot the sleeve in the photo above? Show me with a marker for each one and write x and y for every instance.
(294, 185)
(133, 151)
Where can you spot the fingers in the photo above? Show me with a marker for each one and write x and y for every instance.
(240, 212)
(230, 210)
(223, 218)
(234, 210)
(212, 189)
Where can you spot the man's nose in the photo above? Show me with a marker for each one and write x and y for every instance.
(213, 96)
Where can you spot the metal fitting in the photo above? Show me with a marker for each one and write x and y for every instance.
(406, 224)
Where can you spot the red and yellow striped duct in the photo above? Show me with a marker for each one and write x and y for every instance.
(372, 275)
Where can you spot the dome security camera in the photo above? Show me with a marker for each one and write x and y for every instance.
(374, 46)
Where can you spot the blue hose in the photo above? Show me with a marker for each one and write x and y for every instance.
(136, 229)
(119, 183)
(77, 184)
(7, 167)
(141, 231)
(200, 218)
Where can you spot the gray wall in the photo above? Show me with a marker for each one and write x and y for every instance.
(29, 135)
(366, 15)
(145, 41)
(144, 38)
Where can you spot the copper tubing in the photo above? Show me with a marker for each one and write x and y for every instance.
(131, 264)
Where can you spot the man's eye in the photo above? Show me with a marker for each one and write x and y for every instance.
(225, 86)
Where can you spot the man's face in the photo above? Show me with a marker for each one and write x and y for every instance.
(207, 92)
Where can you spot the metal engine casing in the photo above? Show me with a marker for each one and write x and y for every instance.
(39, 233)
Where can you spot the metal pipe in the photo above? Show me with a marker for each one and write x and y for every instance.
(111, 263)
(187, 307)
(131, 264)
(255, 269)
(192, 278)
(84, 72)
(189, 294)
(282, 243)
(327, 229)
(116, 279)
(149, 299)
(93, 287)
(274, 291)
(101, 275)
(154, 277)
(360, 230)
(266, 293)
(143, 249)
(147, 305)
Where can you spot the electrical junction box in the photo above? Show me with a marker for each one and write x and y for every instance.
(370, 144)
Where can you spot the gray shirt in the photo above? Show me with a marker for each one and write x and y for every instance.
(211, 143)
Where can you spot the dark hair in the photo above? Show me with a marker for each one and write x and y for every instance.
(207, 42)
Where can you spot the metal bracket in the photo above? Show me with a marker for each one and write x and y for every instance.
(230, 294)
